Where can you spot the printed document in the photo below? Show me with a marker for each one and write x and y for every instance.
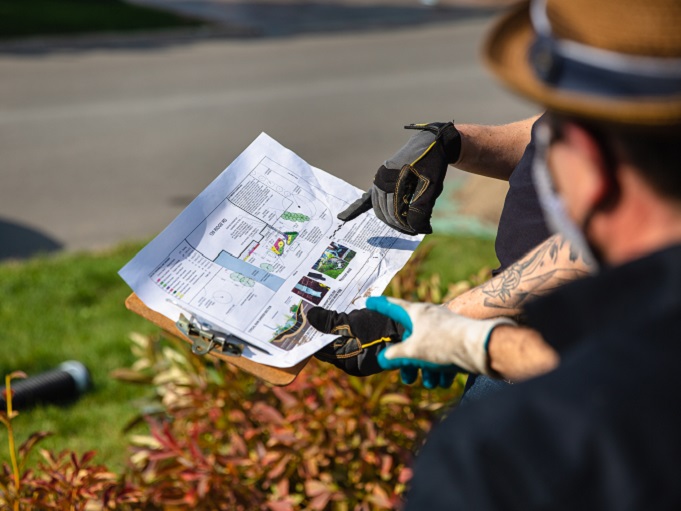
(260, 246)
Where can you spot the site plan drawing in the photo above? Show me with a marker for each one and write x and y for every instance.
(260, 246)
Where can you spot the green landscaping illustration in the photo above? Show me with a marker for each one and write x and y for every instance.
(294, 217)
(334, 260)
(242, 279)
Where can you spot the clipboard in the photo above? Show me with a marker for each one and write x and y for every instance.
(274, 375)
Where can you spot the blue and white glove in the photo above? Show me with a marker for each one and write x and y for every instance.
(436, 341)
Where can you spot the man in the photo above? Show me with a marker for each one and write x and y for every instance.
(601, 430)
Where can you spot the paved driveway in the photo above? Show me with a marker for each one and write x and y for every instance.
(108, 144)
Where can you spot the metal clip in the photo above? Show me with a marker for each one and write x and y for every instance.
(205, 339)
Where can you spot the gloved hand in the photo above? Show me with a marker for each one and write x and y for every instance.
(435, 338)
(363, 334)
(406, 186)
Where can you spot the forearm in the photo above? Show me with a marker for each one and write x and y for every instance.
(493, 151)
(517, 353)
(546, 267)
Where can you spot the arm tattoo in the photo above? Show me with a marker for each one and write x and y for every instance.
(550, 265)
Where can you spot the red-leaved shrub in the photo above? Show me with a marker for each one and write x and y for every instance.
(228, 441)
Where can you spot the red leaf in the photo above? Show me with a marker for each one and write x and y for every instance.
(74, 460)
(283, 488)
(280, 506)
(282, 436)
(314, 488)
(320, 501)
(31, 442)
(87, 457)
(386, 466)
(265, 413)
(405, 475)
(380, 497)
(280, 467)
(286, 398)
(238, 444)
(270, 457)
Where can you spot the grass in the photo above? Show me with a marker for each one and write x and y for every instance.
(71, 307)
(457, 258)
(21, 18)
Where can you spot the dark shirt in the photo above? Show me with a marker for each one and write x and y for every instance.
(601, 432)
(521, 226)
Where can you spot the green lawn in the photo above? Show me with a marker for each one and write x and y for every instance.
(19, 18)
(457, 258)
(71, 307)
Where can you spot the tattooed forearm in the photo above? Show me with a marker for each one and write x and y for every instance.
(548, 266)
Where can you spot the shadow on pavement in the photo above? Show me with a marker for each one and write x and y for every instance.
(257, 19)
(19, 242)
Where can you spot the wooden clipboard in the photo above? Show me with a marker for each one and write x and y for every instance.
(274, 375)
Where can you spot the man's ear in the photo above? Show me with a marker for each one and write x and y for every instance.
(596, 174)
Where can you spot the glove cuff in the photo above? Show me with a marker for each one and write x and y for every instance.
(448, 135)
(451, 143)
(477, 347)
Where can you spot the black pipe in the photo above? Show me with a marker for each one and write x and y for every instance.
(64, 384)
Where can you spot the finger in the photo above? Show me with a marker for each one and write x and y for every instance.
(421, 206)
(328, 321)
(430, 379)
(393, 207)
(393, 309)
(398, 352)
(419, 219)
(446, 379)
(409, 375)
(376, 202)
(360, 206)
(384, 209)
(381, 201)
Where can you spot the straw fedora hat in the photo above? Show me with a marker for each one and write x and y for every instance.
(610, 60)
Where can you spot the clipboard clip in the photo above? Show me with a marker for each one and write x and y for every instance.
(205, 338)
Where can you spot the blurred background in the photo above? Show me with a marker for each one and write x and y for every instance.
(114, 115)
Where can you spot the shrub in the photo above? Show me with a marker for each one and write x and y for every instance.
(225, 440)
(217, 438)
(61, 481)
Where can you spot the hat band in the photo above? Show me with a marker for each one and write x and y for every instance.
(573, 66)
(559, 70)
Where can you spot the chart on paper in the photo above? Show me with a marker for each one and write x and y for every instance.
(261, 246)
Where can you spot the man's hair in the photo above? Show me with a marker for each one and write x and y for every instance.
(655, 152)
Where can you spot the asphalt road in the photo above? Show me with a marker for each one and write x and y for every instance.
(103, 145)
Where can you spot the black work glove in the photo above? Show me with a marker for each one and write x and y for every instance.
(363, 334)
(406, 186)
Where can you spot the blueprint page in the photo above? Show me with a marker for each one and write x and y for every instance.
(260, 246)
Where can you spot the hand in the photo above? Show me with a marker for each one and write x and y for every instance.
(435, 338)
(406, 186)
(363, 334)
